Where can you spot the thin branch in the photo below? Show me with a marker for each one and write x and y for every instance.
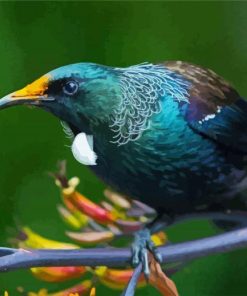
(11, 259)
(130, 288)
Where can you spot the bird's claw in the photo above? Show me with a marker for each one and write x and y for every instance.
(142, 244)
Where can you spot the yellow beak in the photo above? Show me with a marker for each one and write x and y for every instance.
(31, 94)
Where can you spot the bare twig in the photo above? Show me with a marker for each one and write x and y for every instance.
(11, 259)
(130, 288)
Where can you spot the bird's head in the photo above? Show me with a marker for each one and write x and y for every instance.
(72, 93)
(83, 95)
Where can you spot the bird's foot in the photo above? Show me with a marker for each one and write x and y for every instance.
(142, 244)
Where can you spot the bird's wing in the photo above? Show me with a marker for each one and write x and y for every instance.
(214, 109)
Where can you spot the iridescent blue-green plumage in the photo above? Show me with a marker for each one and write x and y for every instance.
(173, 135)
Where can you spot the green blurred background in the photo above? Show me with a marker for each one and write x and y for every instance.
(36, 37)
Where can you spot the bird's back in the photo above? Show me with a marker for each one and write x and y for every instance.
(191, 152)
(215, 109)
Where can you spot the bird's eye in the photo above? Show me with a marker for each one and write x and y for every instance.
(70, 88)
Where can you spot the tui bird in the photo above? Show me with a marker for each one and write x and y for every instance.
(173, 135)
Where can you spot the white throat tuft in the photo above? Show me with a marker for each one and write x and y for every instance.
(82, 149)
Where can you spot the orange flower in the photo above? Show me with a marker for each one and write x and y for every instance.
(88, 207)
(57, 273)
(81, 289)
(116, 278)
(91, 238)
(33, 240)
(81, 213)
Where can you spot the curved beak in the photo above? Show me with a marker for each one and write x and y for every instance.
(32, 94)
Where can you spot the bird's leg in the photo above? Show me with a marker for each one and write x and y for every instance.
(143, 244)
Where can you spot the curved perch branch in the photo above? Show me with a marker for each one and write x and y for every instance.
(11, 259)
